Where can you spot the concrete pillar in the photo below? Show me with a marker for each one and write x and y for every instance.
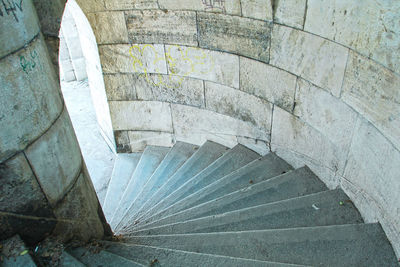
(44, 185)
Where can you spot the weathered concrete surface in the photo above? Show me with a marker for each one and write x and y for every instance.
(311, 57)
(372, 171)
(50, 15)
(369, 27)
(259, 146)
(203, 64)
(146, 115)
(170, 88)
(154, 26)
(290, 13)
(325, 113)
(257, 9)
(270, 83)
(124, 58)
(237, 104)
(59, 148)
(79, 213)
(122, 141)
(130, 4)
(373, 91)
(243, 36)
(199, 125)
(11, 253)
(17, 27)
(109, 27)
(300, 144)
(21, 194)
(120, 86)
(29, 98)
(229, 7)
(138, 140)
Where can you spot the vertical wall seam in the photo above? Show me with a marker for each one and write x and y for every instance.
(37, 180)
(197, 29)
(204, 94)
(166, 59)
(295, 92)
(305, 15)
(344, 74)
(270, 131)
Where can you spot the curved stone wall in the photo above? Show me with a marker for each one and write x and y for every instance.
(315, 81)
(41, 167)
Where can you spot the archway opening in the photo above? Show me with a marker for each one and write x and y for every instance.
(83, 89)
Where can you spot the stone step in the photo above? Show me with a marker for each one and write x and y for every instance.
(338, 245)
(234, 159)
(68, 260)
(170, 257)
(175, 158)
(14, 253)
(149, 161)
(320, 209)
(95, 257)
(124, 166)
(295, 183)
(204, 156)
(259, 170)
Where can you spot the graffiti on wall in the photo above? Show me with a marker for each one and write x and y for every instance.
(182, 62)
(28, 64)
(10, 7)
(214, 5)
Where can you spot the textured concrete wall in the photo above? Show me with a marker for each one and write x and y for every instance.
(42, 175)
(315, 81)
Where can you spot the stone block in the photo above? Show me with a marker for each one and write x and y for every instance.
(56, 158)
(196, 125)
(311, 57)
(257, 9)
(156, 26)
(17, 27)
(120, 86)
(109, 27)
(325, 113)
(78, 213)
(141, 116)
(370, 27)
(231, 7)
(130, 4)
(139, 140)
(123, 58)
(269, 83)
(300, 144)
(30, 99)
(290, 13)
(243, 36)
(237, 104)
(203, 64)
(373, 91)
(170, 88)
(21, 194)
(88, 6)
(373, 168)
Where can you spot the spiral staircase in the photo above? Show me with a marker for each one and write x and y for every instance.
(215, 206)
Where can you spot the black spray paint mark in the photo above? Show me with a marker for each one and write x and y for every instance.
(10, 8)
(214, 4)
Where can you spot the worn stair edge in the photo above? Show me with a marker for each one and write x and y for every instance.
(68, 260)
(124, 166)
(204, 156)
(299, 182)
(173, 257)
(338, 245)
(320, 209)
(11, 251)
(257, 171)
(175, 158)
(232, 160)
(102, 258)
(149, 161)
